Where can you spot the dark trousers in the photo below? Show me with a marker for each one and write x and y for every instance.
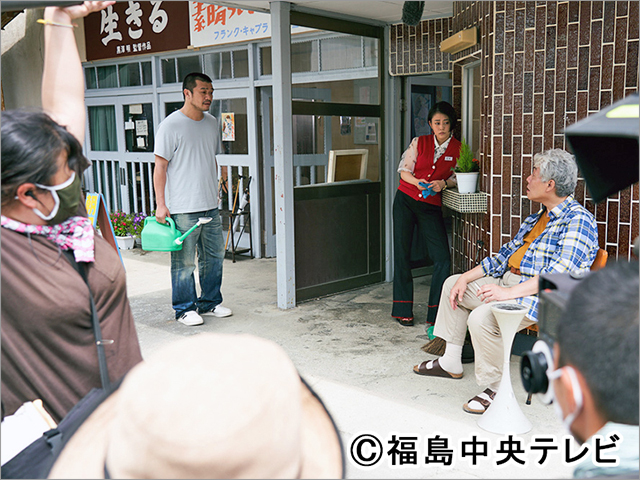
(408, 213)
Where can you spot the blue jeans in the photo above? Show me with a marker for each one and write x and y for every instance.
(207, 240)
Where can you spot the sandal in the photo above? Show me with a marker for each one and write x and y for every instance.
(484, 401)
(405, 321)
(435, 371)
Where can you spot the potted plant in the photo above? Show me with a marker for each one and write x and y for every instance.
(467, 170)
(123, 229)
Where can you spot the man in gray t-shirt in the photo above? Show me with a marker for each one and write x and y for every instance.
(186, 186)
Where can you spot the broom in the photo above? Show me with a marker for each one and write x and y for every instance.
(233, 210)
(438, 345)
(435, 346)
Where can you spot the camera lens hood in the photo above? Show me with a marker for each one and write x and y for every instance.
(534, 367)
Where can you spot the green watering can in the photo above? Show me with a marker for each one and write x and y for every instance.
(165, 237)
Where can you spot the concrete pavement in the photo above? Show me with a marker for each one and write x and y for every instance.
(360, 362)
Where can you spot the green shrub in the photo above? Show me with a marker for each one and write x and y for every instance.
(466, 163)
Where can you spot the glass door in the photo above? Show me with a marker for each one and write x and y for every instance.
(120, 146)
(138, 140)
(423, 92)
(234, 110)
(238, 167)
(102, 147)
(311, 145)
(169, 103)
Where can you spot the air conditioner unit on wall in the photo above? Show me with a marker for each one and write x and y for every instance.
(459, 41)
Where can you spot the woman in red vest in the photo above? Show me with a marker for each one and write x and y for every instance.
(428, 160)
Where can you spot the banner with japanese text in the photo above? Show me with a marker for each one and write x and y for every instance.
(216, 25)
(134, 28)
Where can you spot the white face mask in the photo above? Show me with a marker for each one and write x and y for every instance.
(54, 194)
(577, 396)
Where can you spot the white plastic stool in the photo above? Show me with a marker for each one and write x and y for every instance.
(504, 415)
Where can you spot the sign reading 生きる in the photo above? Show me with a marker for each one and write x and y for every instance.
(134, 28)
(215, 25)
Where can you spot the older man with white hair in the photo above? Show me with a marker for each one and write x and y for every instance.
(561, 237)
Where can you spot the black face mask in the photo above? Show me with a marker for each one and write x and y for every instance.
(67, 199)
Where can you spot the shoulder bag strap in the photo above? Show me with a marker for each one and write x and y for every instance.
(95, 322)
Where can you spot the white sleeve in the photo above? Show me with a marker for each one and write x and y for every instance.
(409, 157)
(164, 144)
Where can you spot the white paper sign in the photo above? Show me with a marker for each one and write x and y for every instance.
(135, 109)
(216, 25)
(141, 128)
(370, 136)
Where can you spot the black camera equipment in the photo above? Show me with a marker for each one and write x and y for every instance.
(535, 364)
(606, 147)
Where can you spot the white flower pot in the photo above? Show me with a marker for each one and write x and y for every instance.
(467, 182)
(125, 243)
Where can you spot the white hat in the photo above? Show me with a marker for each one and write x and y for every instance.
(209, 406)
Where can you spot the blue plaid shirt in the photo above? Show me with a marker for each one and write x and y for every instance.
(568, 243)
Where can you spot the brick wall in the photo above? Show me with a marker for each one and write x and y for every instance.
(544, 66)
(417, 49)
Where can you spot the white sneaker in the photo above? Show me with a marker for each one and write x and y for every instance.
(191, 318)
(219, 311)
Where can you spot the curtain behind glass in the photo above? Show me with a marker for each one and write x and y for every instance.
(341, 52)
(107, 76)
(102, 128)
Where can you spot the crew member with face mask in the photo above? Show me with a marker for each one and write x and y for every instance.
(595, 380)
(48, 346)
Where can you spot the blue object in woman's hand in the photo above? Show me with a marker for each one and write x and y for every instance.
(427, 190)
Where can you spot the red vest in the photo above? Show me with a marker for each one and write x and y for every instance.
(425, 168)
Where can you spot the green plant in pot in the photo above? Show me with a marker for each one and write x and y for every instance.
(467, 169)
(466, 162)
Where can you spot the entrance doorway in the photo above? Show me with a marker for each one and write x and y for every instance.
(311, 146)
(120, 147)
(422, 93)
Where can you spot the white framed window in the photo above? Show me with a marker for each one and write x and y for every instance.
(132, 74)
(331, 53)
(471, 100)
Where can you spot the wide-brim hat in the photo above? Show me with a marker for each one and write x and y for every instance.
(209, 406)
